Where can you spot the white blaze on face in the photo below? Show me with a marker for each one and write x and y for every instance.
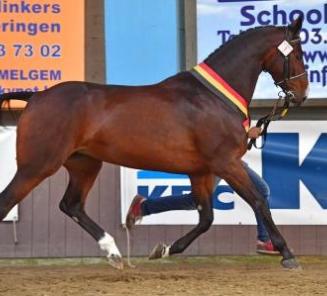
(107, 243)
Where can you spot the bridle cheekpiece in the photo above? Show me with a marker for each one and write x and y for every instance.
(286, 48)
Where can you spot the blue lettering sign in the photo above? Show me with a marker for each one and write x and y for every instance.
(218, 204)
(283, 172)
(279, 16)
(155, 193)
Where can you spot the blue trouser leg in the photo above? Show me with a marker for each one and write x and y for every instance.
(186, 202)
(263, 188)
(168, 203)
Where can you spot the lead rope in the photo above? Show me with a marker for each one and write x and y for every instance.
(128, 238)
(15, 231)
(264, 121)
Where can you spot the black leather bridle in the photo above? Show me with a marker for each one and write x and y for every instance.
(279, 112)
(287, 66)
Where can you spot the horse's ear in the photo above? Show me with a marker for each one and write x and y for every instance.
(296, 25)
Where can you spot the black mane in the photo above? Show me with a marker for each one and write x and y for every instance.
(243, 33)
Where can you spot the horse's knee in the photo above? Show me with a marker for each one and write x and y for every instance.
(205, 223)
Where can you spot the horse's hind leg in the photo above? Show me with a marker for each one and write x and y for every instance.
(83, 171)
(41, 150)
(25, 179)
(237, 177)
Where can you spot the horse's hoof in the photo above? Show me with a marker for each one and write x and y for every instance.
(116, 261)
(291, 264)
(158, 251)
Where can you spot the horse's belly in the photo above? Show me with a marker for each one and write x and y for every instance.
(171, 156)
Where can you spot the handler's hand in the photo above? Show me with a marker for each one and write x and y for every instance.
(254, 132)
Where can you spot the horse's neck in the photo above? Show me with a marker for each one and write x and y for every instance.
(240, 66)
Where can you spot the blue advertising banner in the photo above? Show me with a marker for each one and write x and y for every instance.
(220, 20)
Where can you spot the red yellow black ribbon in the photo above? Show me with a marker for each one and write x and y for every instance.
(222, 89)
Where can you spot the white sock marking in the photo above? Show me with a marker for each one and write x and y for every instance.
(107, 243)
(166, 252)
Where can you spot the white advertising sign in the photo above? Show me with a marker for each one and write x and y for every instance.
(220, 20)
(8, 163)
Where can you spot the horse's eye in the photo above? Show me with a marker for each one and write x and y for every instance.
(299, 56)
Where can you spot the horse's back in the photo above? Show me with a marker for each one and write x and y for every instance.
(165, 126)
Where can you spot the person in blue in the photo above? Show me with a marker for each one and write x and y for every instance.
(142, 206)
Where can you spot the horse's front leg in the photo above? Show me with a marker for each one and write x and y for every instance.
(202, 188)
(237, 177)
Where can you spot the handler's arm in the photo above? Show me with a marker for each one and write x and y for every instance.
(254, 132)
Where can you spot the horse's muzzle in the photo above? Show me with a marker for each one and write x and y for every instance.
(294, 99)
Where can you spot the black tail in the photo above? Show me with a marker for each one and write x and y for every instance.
(21, 96)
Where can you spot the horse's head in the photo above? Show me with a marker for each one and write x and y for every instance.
(285, 63)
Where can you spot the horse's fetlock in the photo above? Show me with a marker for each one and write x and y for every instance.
(176, 247)
(279, 243)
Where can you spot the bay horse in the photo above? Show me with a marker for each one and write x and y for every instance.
(178, 125)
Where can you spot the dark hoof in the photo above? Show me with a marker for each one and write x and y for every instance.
(291, 264)
(116, 261)
(158, 251)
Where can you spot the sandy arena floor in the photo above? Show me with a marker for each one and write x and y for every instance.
(256, 275)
